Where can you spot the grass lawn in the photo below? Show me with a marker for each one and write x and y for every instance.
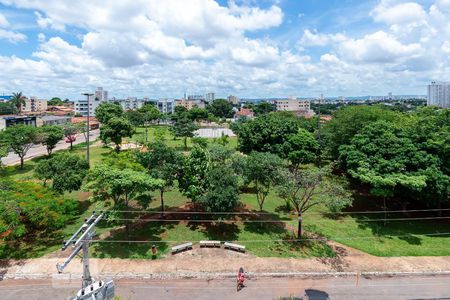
(396, 238)
(163, 133)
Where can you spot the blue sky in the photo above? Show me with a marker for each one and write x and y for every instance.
(246, 48)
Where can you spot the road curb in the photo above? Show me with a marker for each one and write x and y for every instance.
(206, 275)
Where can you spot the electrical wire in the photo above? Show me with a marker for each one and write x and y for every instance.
(264, 221)
(290, 213)
(277, 240)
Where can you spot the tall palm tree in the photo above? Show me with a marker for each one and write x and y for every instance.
(17, 101)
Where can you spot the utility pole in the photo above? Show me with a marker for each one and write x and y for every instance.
(90, 289)
(88, 127)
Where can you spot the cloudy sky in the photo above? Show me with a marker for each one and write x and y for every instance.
(249, 48)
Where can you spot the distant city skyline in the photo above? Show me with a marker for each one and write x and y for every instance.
(247, 48)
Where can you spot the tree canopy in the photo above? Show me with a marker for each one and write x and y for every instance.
(349, 120)
(106, 111)
(192, 175)
(222, 190)
(221, 108)
(20, 138)
(55, 101)
(309, 187)
(266, 133)
(184, 127)
(66, 171)
(115, 130)
(161, 162)
(50, 135)
(383, 156)
(262, 169)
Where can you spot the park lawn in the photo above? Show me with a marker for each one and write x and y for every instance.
(257, 238)
(396, 238)
(163, 133)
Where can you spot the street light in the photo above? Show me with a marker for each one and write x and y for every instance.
(88, 95)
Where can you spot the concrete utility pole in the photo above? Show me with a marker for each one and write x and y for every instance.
(90, 289)
(88, 127)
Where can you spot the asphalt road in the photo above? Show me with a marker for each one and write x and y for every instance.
(39, 150)
(262, 288)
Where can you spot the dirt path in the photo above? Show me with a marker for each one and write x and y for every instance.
(190, 264)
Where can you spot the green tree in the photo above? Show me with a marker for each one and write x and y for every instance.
(32, 216)
(306, 188)
(184, 127)
(264, 108)
(266, 133)
(262, 170)
(222, 190)
(178, 112)
(198, 114)
(70, 131)
(349, 120)
(192, 175)
(115, 130)
(162, 162)
(17, 101)
(66, 171)
(221, 108)
(106, 111)
(121, 187)
(149, 114)
(50, 135)
(135, 117)
(383, 156)
(301, 148)
(6, 108)
(220, 154)
(20, 138)
(55, 101)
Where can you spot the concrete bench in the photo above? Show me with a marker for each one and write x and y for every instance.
(210, 244)
(232, 246)
(181, 247)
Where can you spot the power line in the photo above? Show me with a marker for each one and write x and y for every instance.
(265, 221)
(278, 240)
(288, 213)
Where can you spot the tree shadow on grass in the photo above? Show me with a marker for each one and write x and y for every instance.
(217, 231)
(137, 245)
(408, 231)
(265, 228)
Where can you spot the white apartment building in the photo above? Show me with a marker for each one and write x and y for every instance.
(210, 97)
(34, 105)
(81, 106)
(101, 94)
(233, 100)
(166, 106)
(292, 104)
(439, 94)
(130, 103)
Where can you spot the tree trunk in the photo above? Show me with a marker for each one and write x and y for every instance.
(161, 195)
(299, 228)
(71, 145)
(146, 132)
(385, 210)
(185, 143)
(21, 162)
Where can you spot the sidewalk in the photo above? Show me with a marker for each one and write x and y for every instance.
(193, 264)
(40, 150)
